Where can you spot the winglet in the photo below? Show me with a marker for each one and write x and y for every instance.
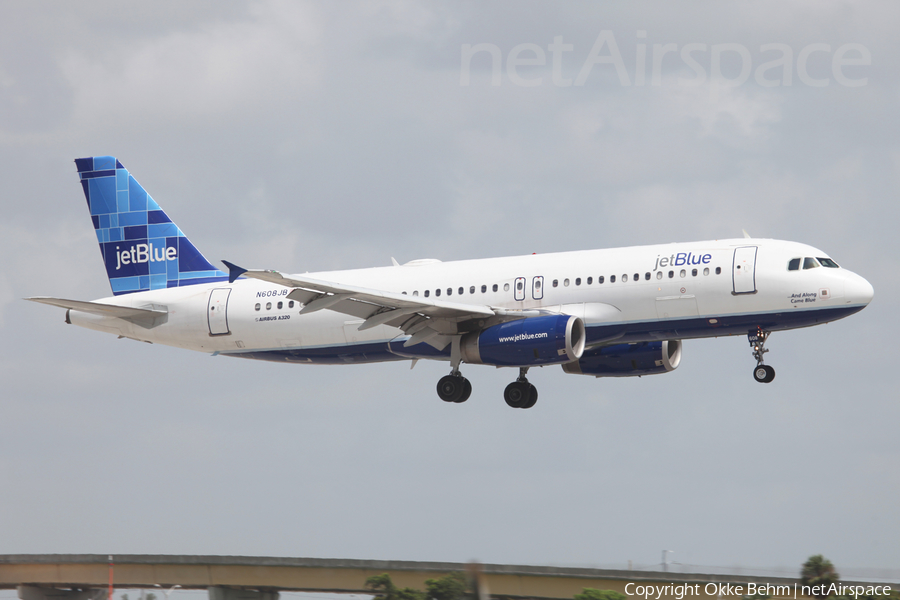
(234, 271)
(746, 235)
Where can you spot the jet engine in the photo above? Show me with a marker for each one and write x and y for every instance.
(628, 360)
(527, 342)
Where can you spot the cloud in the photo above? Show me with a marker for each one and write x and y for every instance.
(203, 74)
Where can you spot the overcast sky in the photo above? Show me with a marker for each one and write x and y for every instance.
(309, 136)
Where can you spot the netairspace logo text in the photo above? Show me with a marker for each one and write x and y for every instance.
(704, 62)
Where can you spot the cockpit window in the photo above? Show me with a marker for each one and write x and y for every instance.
(827, 262)
(794, 264)
(809, 263)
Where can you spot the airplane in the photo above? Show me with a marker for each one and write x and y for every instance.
(618, 312)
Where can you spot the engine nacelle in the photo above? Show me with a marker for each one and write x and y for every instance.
(528, 342)
(628, 360)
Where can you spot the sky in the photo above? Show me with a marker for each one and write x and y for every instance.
(308, 136)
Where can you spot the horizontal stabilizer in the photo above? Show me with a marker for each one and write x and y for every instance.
(147, 318)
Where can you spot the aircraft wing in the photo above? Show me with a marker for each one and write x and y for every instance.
(145, 317)
(424, 319)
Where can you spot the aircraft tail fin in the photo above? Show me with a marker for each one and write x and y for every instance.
(141, 246)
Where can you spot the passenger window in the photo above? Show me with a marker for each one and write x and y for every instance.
(472, 290)
(578, 281)
(280, 305)
(706, 271)
(810, 263)
(671, 274)
(437, 292)
(637, 277)
(256, 307)
(483, 289)
(647, 276)
(556, 283)
(590, 280)
(600, 279)
(827, 262)
(794, 264)
(659, 274)
(718, 270)
(612, 278)
(693, 272)
(415, 292)
(291, 303)
(494, 287)
(683, 273)
(566, 282)
(624, 277)
(505, 287)
(449, 291)
(537, 284)
(519, 285)
(427, 293)
(268, 306)
(461, 290)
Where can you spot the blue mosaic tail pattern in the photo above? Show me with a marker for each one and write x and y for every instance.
(141, 246)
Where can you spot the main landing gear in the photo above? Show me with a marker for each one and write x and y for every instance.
(762, 373)
(456, 388)
(520, 393)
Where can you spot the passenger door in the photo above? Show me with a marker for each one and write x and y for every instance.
(744, 270)
(217, 311)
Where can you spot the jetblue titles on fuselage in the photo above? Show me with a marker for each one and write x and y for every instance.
(682, 259)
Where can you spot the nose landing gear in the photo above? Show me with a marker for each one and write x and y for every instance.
(762, 373)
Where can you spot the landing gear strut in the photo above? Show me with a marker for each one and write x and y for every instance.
(454, 387)
(520, 393)
(762, 373)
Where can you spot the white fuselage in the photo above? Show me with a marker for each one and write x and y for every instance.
(670, 291)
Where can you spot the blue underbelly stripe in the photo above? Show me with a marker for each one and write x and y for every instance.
(680, 329)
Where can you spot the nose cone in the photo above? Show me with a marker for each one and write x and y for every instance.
(859, 291)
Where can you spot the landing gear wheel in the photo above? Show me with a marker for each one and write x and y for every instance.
(518, 394)
(764, 373)
(534, 397)
(467, 391)
(452, 388)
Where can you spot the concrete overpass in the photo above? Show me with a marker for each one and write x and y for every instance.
(87, 576)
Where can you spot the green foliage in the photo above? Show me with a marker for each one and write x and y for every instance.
(448, 587)
(384, 589)
(595, 594)
(818, 570)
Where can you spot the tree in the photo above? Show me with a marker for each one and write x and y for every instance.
(595, 594)
(449, 587)
(384, 589)
(818, 571)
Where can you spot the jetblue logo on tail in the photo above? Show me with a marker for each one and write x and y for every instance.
(141, 246)
(142, 253)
